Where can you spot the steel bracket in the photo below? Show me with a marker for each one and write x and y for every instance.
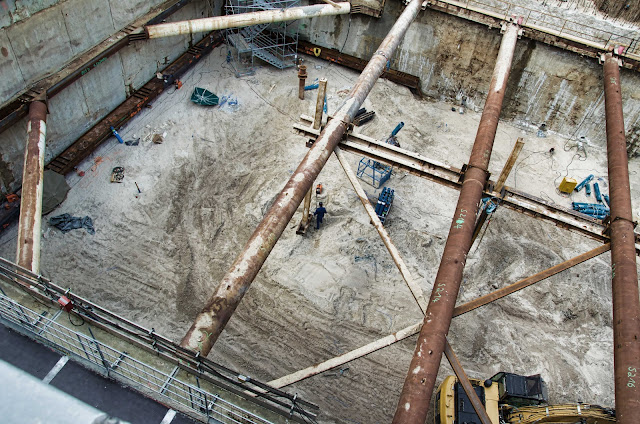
(607, 224)
(488, 186)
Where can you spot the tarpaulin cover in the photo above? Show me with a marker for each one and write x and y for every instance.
(66, 222)
(204, 97)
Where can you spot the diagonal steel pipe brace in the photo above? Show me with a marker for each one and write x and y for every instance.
(30, 224)
(624, 274)
(218, 310)
(415, 398)
(414, 329)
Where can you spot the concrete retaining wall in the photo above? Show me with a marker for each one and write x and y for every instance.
(454, 58)
(43, 42)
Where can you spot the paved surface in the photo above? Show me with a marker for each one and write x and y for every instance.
(101, 393)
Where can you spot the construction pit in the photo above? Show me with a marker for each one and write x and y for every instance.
(200, 180)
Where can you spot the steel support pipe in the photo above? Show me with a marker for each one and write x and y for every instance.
(245, 19)
(302, 76)
(421, 378)
(626, 306)
(219, 308)
(28, 252)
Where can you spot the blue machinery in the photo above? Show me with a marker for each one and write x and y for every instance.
(592, 209)
(384, 203)
(376, 172)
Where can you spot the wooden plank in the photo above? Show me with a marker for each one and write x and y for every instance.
(508, 166)
(415, 329)
(488, 298)
(413, 285)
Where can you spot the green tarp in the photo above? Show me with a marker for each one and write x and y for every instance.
(204, 97)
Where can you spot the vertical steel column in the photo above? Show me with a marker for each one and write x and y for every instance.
(28, 252)
(421, 378)
(626, 306)
(322, 91)
(302, 77)
(219, 308)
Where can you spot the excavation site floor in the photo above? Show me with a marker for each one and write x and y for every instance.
(160, 251)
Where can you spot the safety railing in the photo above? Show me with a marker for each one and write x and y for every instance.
(123, 367)
(183, 371)
(551, 24)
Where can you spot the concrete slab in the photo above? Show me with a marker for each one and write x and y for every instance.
(107, 395)
(22, 352)
(12, 142)
(162, 51)
(67, 119)
(11, 13)
(12, 81)
(40, 45)
(89, 22)
(124, 12)
(104, 97)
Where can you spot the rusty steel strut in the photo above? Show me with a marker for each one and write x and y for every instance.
(421, 378)
(30, 224)
(219, 308)
(626, 306)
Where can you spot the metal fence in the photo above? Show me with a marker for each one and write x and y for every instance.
(121, 366)
(552, 24)
(183, 370)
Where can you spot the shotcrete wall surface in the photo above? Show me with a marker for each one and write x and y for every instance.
(43, 40)
(451, 57)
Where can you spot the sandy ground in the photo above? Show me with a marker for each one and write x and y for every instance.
(156, 256)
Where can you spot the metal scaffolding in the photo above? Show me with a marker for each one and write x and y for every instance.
(275, 43)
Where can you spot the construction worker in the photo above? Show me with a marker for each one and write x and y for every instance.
(319, 213)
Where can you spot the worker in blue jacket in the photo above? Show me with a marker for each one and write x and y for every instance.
(319, 213)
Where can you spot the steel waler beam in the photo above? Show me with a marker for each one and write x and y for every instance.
(626, 306)
(421, 378)
(219, 308)
(28, 252)
(246, 19)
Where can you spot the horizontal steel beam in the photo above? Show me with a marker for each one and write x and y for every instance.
(416, 164)
(352, 62)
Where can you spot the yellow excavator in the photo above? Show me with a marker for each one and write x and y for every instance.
(512, 399)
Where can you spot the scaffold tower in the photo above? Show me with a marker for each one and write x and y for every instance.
(274, 43)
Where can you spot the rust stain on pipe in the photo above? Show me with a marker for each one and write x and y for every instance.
(413, 405)
(219, 308)
(302, 76)
(245, 19)
(28, 251)
(626, 306)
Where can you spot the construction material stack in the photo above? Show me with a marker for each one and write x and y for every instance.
(592, 209)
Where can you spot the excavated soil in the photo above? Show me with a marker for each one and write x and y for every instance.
(156, 256)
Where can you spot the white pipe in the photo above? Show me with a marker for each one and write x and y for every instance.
(246, 19)
(347, 357)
